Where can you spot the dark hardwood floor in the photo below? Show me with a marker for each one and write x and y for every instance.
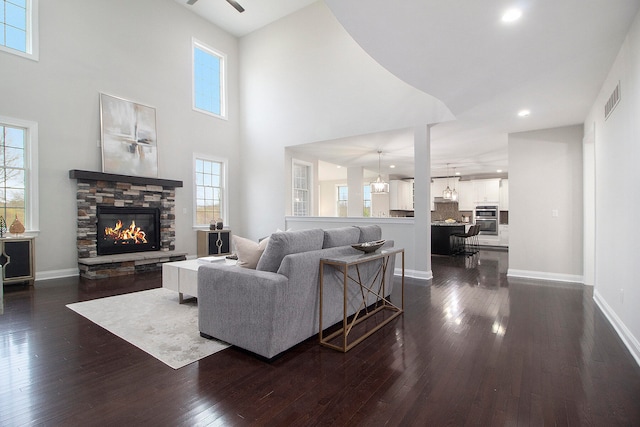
(473, 348)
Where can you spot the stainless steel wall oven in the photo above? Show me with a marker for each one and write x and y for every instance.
(486, 216)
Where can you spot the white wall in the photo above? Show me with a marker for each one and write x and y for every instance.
(328, 197)
(304, 80)
(617, 199)
(139, 50)
(545, 204)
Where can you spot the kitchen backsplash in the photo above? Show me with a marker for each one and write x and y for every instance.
(447, 210)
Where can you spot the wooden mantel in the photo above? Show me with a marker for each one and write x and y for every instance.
(111, 177)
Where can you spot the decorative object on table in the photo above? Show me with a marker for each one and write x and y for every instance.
(128, 132)
(212, 224)
(16, 227)
(219, 224)
(368, 247)
(3, 226)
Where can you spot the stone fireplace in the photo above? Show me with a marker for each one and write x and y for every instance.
(124, 252)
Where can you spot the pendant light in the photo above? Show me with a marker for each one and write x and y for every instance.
(454, 193)
(379, 186)
(447, 193)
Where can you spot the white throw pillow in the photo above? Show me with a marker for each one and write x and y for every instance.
(248, 251)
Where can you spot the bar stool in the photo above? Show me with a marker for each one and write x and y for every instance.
(466, 243)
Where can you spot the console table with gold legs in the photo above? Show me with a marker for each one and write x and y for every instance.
(376, 286)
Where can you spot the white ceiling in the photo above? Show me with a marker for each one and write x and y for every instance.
(257, 13)
(552, 61)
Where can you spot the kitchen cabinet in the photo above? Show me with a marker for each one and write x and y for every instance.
(441, 240)
(503, 234)
(504, 194)
(400, 195)
(466, 201)
(438, 185)
(488, 240)
(486, 190)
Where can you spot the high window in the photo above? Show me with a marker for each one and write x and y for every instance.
(301, 188)
(209, 94)
(343, 200)
(18, 27)
(18, 172)
(210, 190)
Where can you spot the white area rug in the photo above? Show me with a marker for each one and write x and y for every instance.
(154, 322)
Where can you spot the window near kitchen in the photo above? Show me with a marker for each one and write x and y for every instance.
(210, 190)
(209, 93)
(343, 200)
(366, 194)
(302, 180)
(18, 27)
(19, 172)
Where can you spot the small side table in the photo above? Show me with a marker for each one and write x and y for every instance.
(17, 258)
(376, 287)
(214, 242)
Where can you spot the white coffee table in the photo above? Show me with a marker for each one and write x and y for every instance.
(182, 276)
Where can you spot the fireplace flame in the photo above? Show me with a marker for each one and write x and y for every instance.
(131, 234)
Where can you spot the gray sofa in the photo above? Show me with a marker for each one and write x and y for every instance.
(276, 306)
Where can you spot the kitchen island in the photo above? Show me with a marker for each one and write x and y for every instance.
(441, 241)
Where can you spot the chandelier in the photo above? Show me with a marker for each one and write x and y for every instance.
(447, 194)
(379, 186)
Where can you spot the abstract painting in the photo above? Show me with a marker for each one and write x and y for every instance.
(129, 140)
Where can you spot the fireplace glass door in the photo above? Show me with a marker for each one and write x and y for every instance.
(127, 229)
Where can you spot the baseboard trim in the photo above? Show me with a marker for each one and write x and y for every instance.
(543, 275)
(623, 332)
(56, 274)
(414, 274)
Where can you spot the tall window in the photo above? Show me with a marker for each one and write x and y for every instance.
(343, 200)
(210, 179)
(18, 27)
(18, 172)
(208, 80)
(366, 194)
(301, 188)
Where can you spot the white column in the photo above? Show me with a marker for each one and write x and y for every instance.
(422, 195)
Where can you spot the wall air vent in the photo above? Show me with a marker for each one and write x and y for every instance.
(612, 102)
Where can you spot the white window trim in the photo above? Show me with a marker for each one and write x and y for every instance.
(223, 79)
(311, 184)
(33, 44)
(32, 216)
(225, 189)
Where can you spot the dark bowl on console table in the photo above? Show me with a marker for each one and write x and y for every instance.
(368, 247)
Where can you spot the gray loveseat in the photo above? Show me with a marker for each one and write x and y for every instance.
(276, 306)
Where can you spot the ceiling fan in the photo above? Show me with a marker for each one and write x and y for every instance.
(233, 3)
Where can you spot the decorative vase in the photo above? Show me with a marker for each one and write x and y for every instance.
(16, 226)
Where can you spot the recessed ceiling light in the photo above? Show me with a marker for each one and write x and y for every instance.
(524, 113)
(392, 166)
(499, 170)
(511, 15)
(457, 173)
